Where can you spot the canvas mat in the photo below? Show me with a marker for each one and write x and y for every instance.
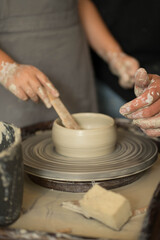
(42, 209)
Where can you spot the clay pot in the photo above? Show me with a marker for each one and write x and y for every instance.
(11, 173)
(97, 137)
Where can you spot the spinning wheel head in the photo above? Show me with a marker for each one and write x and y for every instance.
(133, 154)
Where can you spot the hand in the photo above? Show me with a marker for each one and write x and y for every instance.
(27, 82)
(145, 109)
(123, 66)
(141, 81)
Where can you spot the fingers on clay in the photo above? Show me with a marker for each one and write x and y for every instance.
(149, 97)
(146, 112)
(31, 93)
(152, 132)
(47, 84)
(141, 78)
(146, 123)
(138, 91)
(18, 92)
(43, 96)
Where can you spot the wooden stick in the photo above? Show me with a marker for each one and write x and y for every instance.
(67, 119)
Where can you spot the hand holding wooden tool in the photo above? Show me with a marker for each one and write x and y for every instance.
(67, 119)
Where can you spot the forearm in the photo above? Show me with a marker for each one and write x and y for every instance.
(4, 58)
(99, 36)
(105, 45)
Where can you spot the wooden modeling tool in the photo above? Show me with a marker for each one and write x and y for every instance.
(67, 119)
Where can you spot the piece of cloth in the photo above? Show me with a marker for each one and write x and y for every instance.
(46, 34)
(135, 25)
(42, 209)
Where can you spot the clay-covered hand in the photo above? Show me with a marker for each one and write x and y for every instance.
(145, 109)
(27, 82)
(123, 66)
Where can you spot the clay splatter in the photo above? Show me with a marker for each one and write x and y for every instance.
(8, 69)
(149, 99)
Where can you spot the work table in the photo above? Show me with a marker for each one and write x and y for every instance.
(42, 210)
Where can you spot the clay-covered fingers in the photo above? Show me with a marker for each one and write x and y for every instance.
(35, 91)
(146, 104)
(146, 112)
(42, 93)
(126, 73)
(18, 92)
(42, 86)
(126, 67)
(131, 65)
(33, 83)
(29, 91)
(143, 106)
(152, 132)
(151, 126)
(25, 78)
(27, 82)
(142, 78)
(147, 123)
(145, 109)
(141, 81)
(46, 83)
(126, 81)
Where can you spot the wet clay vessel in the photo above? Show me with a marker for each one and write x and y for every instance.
(11, 173)
(97, 136)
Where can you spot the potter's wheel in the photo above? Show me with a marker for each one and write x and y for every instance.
(132, 156)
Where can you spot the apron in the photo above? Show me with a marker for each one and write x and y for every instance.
(46, 34)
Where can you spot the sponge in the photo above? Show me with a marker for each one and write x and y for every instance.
(108, 207)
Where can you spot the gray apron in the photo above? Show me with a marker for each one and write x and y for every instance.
(46, 34)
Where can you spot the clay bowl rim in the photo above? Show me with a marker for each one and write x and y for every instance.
(58, 123)
(8, 150)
